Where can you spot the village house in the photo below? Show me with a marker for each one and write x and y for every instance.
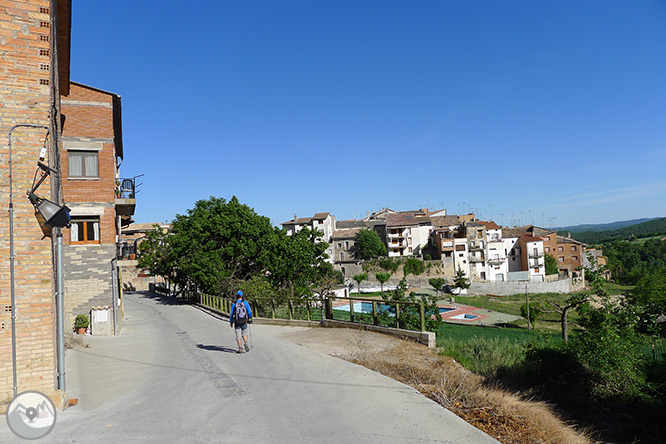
(100, 201)
(322, 222)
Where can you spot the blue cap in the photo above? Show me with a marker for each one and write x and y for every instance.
(239, 293)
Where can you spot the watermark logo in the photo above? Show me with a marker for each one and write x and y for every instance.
(31, 415)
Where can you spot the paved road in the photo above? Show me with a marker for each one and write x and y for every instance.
(173, 376)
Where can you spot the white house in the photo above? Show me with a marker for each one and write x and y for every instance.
(532, 257)
(323, 222)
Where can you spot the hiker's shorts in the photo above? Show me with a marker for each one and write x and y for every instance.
(241, 331)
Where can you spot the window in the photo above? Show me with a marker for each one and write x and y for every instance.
(560, 248)
(561, 258)
(84, 230)
(339, 244)
(346, 245)
(547, 249)
(342, 256)
(547, 238)
(83, 164)
(575, 258)
(573, 248)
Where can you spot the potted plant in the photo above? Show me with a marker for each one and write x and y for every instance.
(81, 323)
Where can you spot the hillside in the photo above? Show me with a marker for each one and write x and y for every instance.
(654, 227)
(603, 227)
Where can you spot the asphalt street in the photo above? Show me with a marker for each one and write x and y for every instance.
(173, 376)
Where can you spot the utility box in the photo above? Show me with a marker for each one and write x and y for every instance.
(101, 321)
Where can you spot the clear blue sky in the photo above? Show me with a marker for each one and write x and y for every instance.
(553, 109)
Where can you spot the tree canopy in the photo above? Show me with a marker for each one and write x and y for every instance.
(369, 244)
(220, 246)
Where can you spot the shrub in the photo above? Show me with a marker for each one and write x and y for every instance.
(81, 321)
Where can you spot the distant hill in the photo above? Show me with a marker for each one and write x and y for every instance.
(604, 227)
(653, 227)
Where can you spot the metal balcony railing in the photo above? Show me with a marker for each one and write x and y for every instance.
(126, 189)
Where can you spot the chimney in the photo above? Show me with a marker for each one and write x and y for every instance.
(295, 217)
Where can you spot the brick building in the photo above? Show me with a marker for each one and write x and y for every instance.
(34, 70)
(569, 253)
(100, 201)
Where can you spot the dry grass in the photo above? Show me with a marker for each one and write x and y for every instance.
(500, 414)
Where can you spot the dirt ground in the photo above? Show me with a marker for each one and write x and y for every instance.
(503, 415)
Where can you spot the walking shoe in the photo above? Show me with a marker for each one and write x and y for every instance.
(239, 351)
(247, 347)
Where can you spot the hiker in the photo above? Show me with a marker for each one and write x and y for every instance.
(239, 317)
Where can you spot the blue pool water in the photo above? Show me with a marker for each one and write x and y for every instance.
(362, 307)
(445, 309)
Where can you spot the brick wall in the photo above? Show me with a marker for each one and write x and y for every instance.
(89, 126)
(87, 280)
(25, 99)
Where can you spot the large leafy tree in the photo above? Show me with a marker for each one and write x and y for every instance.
(217, 241)
(156, 254)
(551, 264)
(295, 262)
(369, 244)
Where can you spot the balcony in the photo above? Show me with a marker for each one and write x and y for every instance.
(494, 239)
(535, 255)
(476, 259)
(475, 248)
(496, 260)
(126, 197)
(447, 245)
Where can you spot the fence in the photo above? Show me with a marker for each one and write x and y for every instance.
(402, 315)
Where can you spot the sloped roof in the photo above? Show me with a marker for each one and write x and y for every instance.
(401, 220)
(350, 233)
(490, 225)
(528, 238)
(298, 221)
(350, 223)
(445, 221)
(510, 232)
(321, 216)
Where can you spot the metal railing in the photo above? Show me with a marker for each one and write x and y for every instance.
(126, 189)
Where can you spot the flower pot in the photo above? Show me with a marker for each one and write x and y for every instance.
(82, 331)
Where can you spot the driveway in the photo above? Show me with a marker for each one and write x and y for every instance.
(173, 376)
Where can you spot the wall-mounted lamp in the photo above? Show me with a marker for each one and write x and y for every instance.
(55, 216)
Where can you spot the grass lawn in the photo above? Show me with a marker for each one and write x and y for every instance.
(449, 332)
(617, 289)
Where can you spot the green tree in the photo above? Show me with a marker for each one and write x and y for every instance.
(410, 314)
(218, 240)
(649, 299)
(534, 312)
(155, 254)
(413, 266)
(438, 284)
(295, 262)
(382, 278)
(369, 244)
(572, 302)
(389, 265)
(551, 264)
(360, 278)
(460, 280)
